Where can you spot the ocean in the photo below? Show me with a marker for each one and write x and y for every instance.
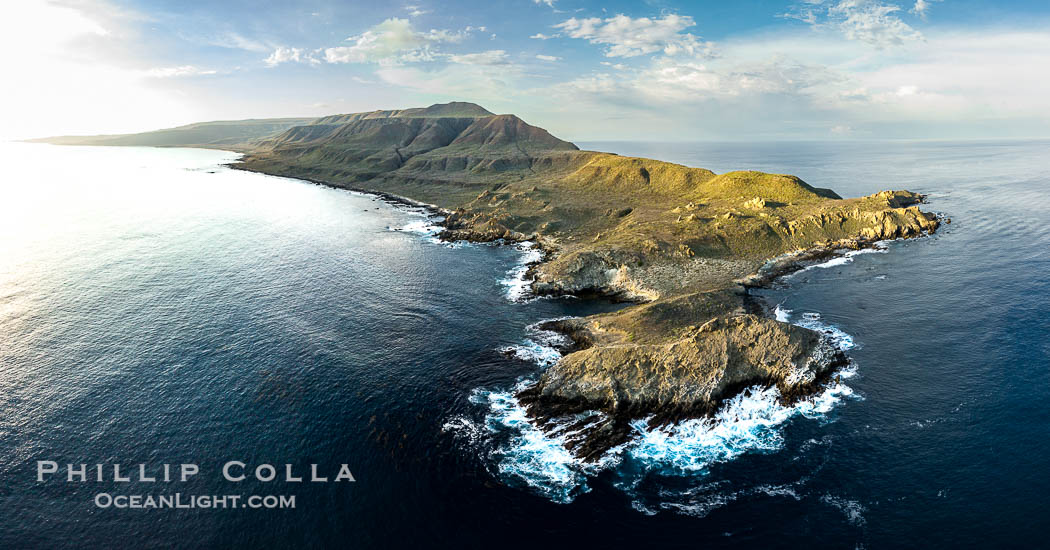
(159, 308)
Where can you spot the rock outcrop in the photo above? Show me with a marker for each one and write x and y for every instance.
(685, 243)
(687, 377)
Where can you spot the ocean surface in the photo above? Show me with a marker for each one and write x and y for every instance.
(157, 307)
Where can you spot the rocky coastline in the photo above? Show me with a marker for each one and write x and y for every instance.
(684, 246)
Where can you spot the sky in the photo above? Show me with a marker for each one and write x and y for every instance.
(646, 70)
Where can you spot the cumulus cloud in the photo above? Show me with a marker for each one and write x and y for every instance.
(391, 41)
(629, 37)
(548, 3)
(868, 21)
(669, 80)
(922, 8)
(551, 58)
(290, 55)
(541, 36)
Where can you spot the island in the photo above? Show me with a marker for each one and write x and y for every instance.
(683, 245)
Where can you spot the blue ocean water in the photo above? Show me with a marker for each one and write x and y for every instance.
(156, 307)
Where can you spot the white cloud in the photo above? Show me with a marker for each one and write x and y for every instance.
(290, 55)
(904, 91)
(628, 37)
(392, 41)
(475, 81)
(183, 70)
(790, 85)
(552, 58)
(541, 36)
(673, 81)
(237, 41)
(416, 11)
(868, 21)
(548, 3)
(491, 57)
(922, 8)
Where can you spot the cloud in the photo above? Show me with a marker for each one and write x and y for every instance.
(236, 41)
(290, 55)
(491, 57)
(548, 3)
(416, 11)
(475, 81)
(541, 36)
(790, 85)
(552, 58)
(868, 21)
(672, 81)
(922, 8)
(392, 41)
(183, 70)
(904, 91)
(628, 37)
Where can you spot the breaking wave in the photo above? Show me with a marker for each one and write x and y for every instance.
(531, 457)
(812, 320)
(847, 258)
(516, 283)
(427, 226)
(750, 422)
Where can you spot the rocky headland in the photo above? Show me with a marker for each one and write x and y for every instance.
(683, 244)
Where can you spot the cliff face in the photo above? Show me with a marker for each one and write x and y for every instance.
(684, 242)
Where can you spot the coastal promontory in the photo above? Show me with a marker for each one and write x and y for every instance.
(683, 245)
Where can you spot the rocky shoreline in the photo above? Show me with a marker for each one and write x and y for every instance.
(666, 385)
(600, 387)
(683, 245)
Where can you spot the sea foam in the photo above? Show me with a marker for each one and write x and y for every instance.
(750, 422)
(516, 284)
(847, 257)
